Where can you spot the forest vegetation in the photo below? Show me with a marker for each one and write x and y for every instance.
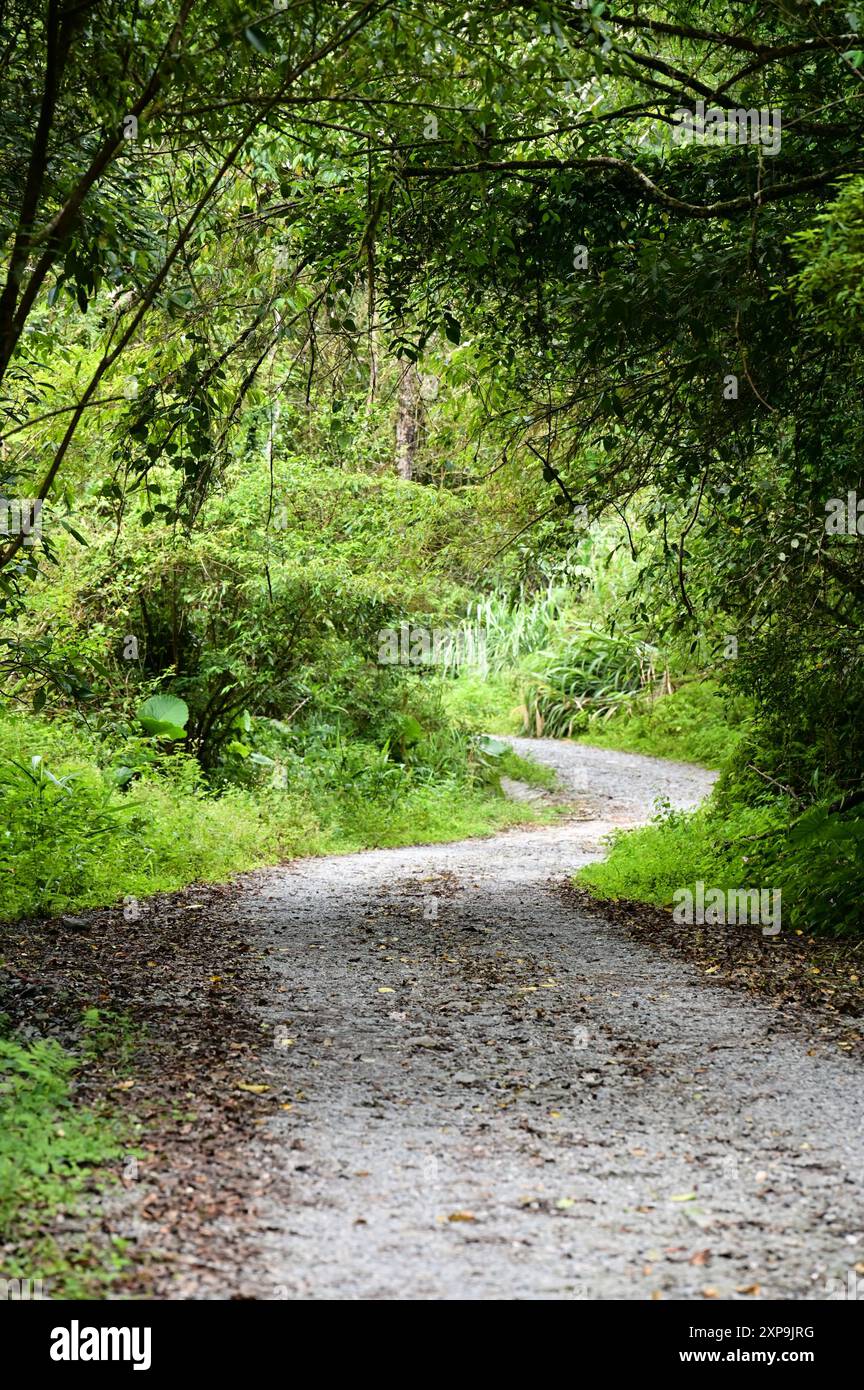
(322, 322)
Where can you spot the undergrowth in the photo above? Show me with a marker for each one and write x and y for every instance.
(72, 838)
(54, 1155)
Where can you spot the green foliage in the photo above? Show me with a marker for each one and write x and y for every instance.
(806, 685)
(817, 862)
(516, 628)
(202, 362)
(830, 283)
(592, 673)
(559, 673)
(488, 703)
(164, 716)
(677, 849)
(49, 1147)
(521, 769)
(693, 723)
(433, 813)
(72, 838)
(106, 1034)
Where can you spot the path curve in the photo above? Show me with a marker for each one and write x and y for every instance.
(495, 1096)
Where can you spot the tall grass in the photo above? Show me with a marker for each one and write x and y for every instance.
(563, 667)
(516, 628)
(590, 675)
(816, 862)
(569, 661)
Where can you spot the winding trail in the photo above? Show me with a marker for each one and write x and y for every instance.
(495, 1096)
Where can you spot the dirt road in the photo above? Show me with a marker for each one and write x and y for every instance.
(494, 1096)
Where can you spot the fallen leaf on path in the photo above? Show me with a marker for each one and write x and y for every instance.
(248, 1086)
(461, 1216)
(753, 1289)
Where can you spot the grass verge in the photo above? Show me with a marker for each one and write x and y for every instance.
(55, 1156)
(72, 838)
(693, 724)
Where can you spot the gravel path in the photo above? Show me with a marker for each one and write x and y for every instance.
(494, 1096)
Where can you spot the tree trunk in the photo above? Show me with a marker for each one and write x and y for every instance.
(408, 413)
